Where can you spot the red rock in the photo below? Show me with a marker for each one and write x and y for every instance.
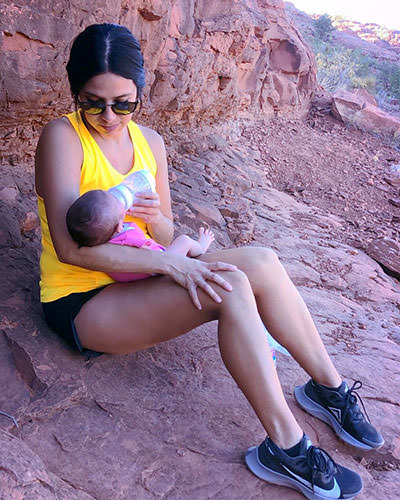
(8, 195)
(169, 422)
(395, 201)
(238, 59)
(10, 234)
(366, 96)
(354, 108)
(386, 251)
(207, 212)
(393, 180)
(31, 221)
(229, 212)
(374, 119)
(396, 449)
(90, 423)
(24, 475)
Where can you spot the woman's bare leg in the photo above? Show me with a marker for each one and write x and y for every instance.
(282, 310)
(131, 316)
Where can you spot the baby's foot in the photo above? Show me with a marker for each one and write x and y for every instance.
(206, 237)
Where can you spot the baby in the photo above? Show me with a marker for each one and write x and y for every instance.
(97, 217)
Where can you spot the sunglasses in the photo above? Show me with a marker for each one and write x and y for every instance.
(98, 107)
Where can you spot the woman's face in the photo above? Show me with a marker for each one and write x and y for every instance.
(108, 88)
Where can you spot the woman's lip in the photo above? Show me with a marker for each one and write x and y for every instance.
(110, 127)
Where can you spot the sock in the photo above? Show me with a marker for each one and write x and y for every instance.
(294, 451)
(330, 388)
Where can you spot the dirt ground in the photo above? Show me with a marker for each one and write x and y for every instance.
(344, 171)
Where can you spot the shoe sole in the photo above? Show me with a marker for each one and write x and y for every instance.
(319, 412)
(262, 472)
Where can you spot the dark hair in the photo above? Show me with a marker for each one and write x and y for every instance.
(103, 48)
(90, 221)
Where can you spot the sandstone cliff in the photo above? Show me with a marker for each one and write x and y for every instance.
(205, 60)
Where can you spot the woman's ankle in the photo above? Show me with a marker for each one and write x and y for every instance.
(286, 440)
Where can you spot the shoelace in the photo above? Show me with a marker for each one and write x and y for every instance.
(320, 461)
(351, 403)
(10, 417)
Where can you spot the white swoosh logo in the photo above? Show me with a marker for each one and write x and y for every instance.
(334, 492)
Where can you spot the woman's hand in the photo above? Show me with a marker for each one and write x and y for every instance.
(193, 274)
(147, 207)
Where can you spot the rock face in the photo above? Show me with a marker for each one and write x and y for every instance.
(355, 108)
(205, 60)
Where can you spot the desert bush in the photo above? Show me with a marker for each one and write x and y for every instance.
(323, 27)
(340, 67)
(388, 78)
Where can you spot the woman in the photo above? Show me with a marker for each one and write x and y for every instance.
(95, 148)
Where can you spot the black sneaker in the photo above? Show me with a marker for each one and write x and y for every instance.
(312, 472)
(339, 409)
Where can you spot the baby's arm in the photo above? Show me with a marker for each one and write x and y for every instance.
(184, 245)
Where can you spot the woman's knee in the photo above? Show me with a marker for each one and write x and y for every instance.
(241, 288)
(260, 259)
(262, 267)
(238, 279)
(265, 255)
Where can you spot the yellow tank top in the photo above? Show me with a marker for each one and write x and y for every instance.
(57, 279)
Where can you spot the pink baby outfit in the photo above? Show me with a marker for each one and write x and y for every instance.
(132, 236)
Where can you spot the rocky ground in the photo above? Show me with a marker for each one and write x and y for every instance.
(169, 422)
(337, 168)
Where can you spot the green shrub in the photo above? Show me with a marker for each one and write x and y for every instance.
(340, 67)
(336, 67)
(323, 27)
(388, 78)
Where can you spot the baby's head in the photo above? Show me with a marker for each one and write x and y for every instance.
(94, 218)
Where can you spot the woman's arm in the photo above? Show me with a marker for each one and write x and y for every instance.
(58, 163)
(155, 209)
(57, 176)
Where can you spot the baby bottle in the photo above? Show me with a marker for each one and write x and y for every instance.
(138, 181)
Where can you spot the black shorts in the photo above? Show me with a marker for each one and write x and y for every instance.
(61, 313)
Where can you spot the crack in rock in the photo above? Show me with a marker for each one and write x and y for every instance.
(24, 366)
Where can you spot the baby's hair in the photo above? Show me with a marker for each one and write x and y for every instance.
(90, 219)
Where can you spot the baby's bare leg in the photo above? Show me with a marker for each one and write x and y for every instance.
(184, 245)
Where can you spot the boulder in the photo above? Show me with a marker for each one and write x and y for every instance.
(386, 252)
(358, 109)
(366, 96)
